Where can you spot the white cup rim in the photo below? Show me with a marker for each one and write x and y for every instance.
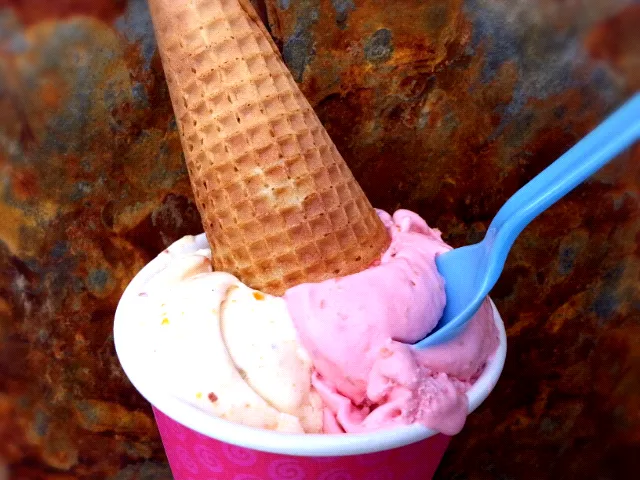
(266, 440)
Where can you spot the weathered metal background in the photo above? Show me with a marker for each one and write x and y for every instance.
(442, 106)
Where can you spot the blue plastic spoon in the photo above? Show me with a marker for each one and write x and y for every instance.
(470, 272)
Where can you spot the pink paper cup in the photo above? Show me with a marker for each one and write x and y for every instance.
(200, 446)
(193, 455)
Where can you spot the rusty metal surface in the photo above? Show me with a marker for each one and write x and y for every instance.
(445, 107)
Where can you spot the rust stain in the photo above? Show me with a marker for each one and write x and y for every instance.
(101, 416)
(13, 219)
(616, 41)
(32, 11)
(50, 95)
(24, 184)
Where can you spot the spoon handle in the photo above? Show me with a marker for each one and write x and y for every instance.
(611, 137)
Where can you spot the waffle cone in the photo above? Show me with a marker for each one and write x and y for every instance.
(278, 203)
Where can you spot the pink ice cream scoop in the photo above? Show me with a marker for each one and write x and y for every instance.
(358, 330)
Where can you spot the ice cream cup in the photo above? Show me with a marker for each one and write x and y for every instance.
(202, 446)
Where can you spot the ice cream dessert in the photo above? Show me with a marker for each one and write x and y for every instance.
(329, 356)
(299, 314)
(223, 347)
(358, 330)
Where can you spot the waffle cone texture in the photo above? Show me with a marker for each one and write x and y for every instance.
(278, 203)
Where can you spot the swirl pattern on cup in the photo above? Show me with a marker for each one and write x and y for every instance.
(286, 469)
(207, 458)
(176, 429)
(242, 457)
(186, 460)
